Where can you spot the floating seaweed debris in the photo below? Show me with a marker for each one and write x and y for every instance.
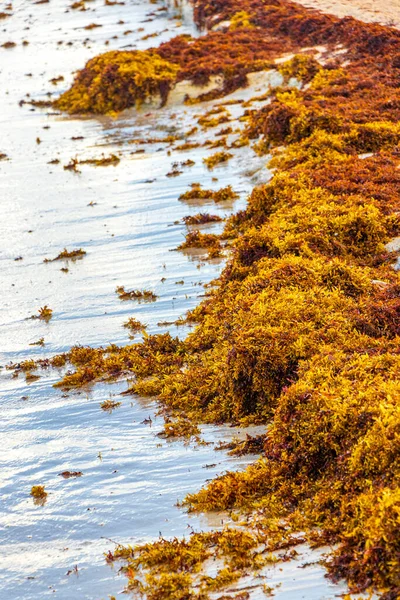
(146, 295)
(196, 192)
(170, 568)
(179, 428)
(31, 377)
(109, 405)
(196, 239)
(72, 165)
(134, 325)
(217, 159)
(92, 26)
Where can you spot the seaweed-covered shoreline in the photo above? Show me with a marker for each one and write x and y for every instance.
(301, 330)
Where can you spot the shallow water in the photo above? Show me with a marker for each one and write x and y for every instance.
(125, 218)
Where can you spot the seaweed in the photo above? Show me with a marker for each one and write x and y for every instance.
(170, 568)
(69, 474)
(201, 218)
(179, 428)
(117, 80)
(145, 295)
(39, 342)
(134, 325)
(109, 405)
(217, 159)
(196, 239)
(39, 494)
(67, 255)
(105, 161)
(44, 313)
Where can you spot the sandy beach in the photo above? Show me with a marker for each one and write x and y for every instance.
(386, 13)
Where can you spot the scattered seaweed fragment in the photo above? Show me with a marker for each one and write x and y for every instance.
(179, 427)
(196, 192)
(105, 161)
(69, 474)
(196, 239)
(134, 325)
(44, 313)
(217, 159)
(110, 405)
(67, 255)
(39, 494)
(145, 295)
(39, 342)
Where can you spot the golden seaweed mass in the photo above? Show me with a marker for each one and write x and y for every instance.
(117, 80)
(301, 331)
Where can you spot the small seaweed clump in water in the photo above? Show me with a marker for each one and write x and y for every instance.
(109, 405)
(180, 427)
(217, 159)
(134, 325)
(196, 239)
(225, 194)
(146, 295)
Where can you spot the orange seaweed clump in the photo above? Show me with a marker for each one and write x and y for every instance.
(217, 159)
(225, 194)
(117, 80)
(201, 219)
(196, 239)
